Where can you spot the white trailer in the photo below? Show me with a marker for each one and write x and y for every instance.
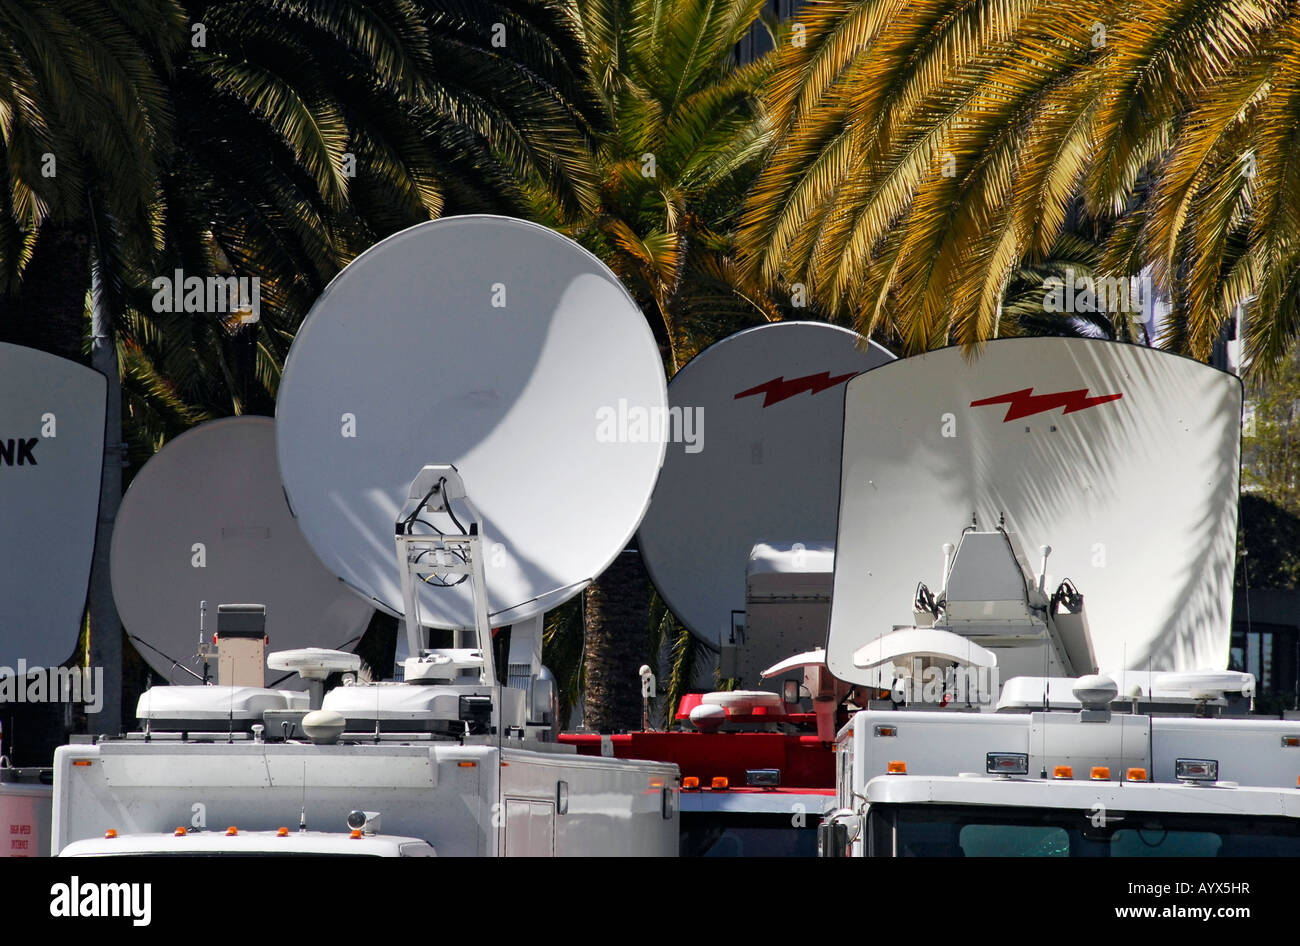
(464, 800)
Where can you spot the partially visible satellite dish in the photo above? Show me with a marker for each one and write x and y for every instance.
(1124, 460)
(51, 458)
(206, 520)
(504, 349)
(765, 468)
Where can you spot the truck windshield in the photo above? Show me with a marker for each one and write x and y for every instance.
(714, 834)
(987, 831)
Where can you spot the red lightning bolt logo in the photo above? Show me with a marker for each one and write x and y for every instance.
(1025, 402)
(778, 389)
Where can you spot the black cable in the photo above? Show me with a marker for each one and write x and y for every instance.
(406, 524)
(462, 529)
(434, 579)
(176, 664)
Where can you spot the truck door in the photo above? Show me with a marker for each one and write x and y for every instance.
(530, 828)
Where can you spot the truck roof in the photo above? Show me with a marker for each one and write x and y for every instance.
(1220, 799)
(815, 801)
(250, 843)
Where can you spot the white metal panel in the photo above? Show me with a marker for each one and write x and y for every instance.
(51, 457)
(196, 770)
(615, 807)
(1250, 751)
(402, 768)
(442, 793)
(530, 828)
(932, 743)
(1123, 459)
(912, 642)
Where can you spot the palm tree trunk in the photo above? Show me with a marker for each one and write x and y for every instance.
(105, 625)
(617, 640)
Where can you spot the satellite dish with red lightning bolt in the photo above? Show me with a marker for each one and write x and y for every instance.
(752, 475)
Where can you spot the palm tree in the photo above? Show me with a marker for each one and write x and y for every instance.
(87, 125)
(926, 150)
(675, 136)
(308, 132)
(268, 139)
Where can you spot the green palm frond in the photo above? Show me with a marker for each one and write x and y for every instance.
(924, 151)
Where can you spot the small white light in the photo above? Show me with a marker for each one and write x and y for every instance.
(1007, 763)
(1196, 770)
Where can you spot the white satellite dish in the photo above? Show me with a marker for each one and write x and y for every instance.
(206, 520)
(1123, 460)
(51, 458)
(765, 469)
(496, 346)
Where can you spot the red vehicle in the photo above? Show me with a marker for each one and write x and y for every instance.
(754, 785)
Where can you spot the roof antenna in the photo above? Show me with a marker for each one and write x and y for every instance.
(302, 814)
(1122, 761)
(204, 649)
(230, 717)
(1047, 686)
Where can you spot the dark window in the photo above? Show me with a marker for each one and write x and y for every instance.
(983, 831)
(722, 834)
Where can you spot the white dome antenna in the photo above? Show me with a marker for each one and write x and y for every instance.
(314, 664)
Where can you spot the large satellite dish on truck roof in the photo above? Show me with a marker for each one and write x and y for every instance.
(206, 520)
(51, 458)
(766, 466)
(504, 349)
(1124, 460)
